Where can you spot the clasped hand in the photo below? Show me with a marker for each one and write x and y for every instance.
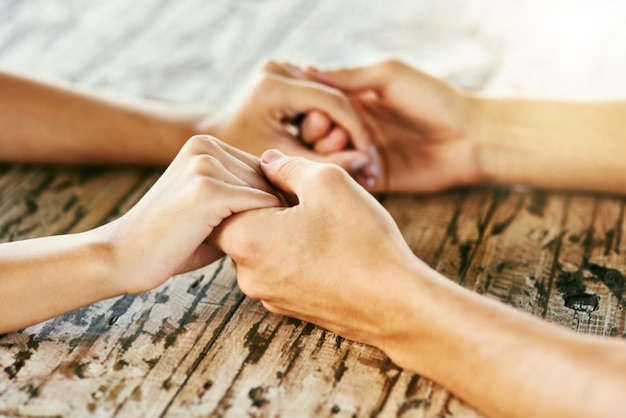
(321, 258)
(303, 260)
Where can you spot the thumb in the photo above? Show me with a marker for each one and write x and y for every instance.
(287, 173)
(352, 80)
(362, 166)
(352, 160)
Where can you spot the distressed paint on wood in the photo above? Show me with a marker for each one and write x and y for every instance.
(198, 347)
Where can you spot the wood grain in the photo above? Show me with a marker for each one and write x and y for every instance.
(197, 346)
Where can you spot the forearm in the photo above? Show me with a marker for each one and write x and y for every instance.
(45, 123)
(45, 277)
(555, 145)
(505, 362)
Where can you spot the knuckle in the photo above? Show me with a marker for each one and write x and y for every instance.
(265, 88)
(249, 286)
(393, 64)
(273, 308)
(244, 250)
(201, 144)
(329, 176)
(198, 140)
(266, 82)
(269, 65)
(203, 164)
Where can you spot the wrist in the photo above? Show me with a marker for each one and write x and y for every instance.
(103, 246)
(514, 141)
(402, 327)
(483, 133)
(550, 144)
(213, 125)
(432, 316)
(177, 129)
(117, 251)
(97, 247)
(410, 328)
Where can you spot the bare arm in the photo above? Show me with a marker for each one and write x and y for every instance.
(548, 144)
(504, 362)
(45, 277)
(431, 136)
(372, 289)
(41, 122)
(47, 123)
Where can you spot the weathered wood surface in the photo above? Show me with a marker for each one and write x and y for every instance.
(197, 346)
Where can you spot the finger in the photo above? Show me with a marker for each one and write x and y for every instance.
(351, 160)
(252, 161)
(294, 70)
(335, 141)
(291, 174)
(315, 126)
(235, 199)
(255, 164)
(209, 159)
(244, 172)
(219, 200)
(344, 114)
(210, 166)
(206, 144)
(305, 96)
(240, 164)
(355, 79)
(233, 234)
(282, 68)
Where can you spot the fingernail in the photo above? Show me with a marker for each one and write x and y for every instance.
(370, 182)
(359, 163)
(374, 170)
(374, 167)
(271, 155)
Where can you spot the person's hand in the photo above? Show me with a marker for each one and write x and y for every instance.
(315, 129)
(164, 233)
(420, 125)
(330, 259)
(283, 107)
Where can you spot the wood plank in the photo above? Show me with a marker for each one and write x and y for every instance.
(588, 282)
(124, 346)
(196, 345)
(40, 202)
(425, 221)
(516, 262)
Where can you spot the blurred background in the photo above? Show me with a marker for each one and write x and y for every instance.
(205, 51)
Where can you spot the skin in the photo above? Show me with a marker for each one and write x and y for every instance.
(279, 95)
(431, 136)
(372, 289)
(207, 182)
(45, 123)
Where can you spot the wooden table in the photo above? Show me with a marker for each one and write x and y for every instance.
(197, 346)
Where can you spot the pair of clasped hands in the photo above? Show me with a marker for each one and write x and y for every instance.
(307, 240)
